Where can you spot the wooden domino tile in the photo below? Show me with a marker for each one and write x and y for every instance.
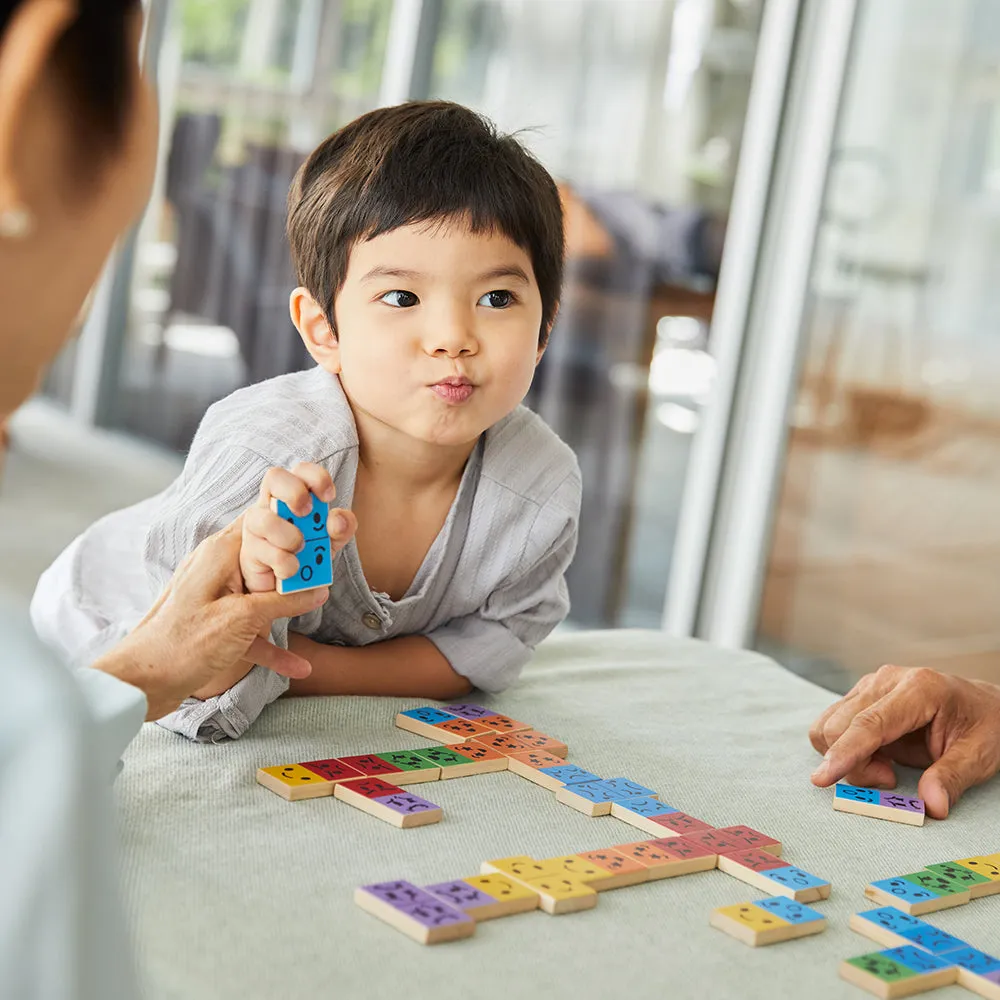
(519, 867)
(507, 897)
(474, 713)
(413, 768)
(879, 805)
(452, 764)
(372, 766)
(418, 914)
(619, 869)
(527, 763)
(532, 739)
(977, 971)
(768, 921)
(683, 824)
(423, 720)
(483, 759)
(504, 724)
(562, 894)
(459, 730)
(765, 871)
(698, 857)
(592, 798)
(333, 769)
(898, 972)
(576, 866)
(717, 841)
(660, 862)
(919, 892)
(891, 927)
(294, 782)
(980, 875)
(503, 743)
(643, 812)
(751, 838)
(559, 775)
(512, 896)
(388, 803)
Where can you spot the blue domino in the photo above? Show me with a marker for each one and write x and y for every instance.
(794, 877)
(626, 788)
(788, 909)
(919, 960)
(428, 714)
(593, 791)
(645, 806)
(894, 920)
(904, 890)
(569, 774)
(856, 794)
(977, 962)
(933, 939)
(315, 559)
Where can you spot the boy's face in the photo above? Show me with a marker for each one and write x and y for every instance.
(437, 331)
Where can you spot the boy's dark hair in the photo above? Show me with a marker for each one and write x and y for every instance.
(419, 162)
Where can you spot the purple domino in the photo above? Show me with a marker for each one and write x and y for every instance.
(993, 977)
(405, 803)
(893, 800)
(400, 894)
(471, 712)
(436, 914)
(460, 894)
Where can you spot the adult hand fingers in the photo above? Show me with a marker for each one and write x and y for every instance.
(876, 772)
(281, 661)
(968, 761)
(271, 605)
(908, 706)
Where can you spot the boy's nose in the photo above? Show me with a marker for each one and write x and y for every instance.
(451, 336)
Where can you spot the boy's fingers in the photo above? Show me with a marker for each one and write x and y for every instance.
(341, 526)
(264, 524)
(262, 556)
(285, 485)
(317, 479)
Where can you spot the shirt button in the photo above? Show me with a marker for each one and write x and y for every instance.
(372, 620)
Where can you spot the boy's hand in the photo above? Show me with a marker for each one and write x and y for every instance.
(270, 543)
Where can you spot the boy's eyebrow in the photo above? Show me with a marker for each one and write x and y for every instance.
(503, 271)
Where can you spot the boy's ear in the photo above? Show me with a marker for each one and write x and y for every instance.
(548, 333)
(315, 330)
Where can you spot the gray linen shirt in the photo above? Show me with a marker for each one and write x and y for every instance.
(490, 588)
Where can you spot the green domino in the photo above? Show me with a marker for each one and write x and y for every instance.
(957, 873)
(877, 965)
(936, 882)
(406, 760)
(443, 757)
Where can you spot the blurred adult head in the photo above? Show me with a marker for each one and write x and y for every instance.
(77, 154)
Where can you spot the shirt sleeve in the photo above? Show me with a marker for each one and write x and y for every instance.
(62, 930)
(218, 483)
(491, 646)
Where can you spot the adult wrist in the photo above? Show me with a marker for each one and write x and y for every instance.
(124, 664)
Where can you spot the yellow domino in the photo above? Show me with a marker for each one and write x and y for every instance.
(293, 781)
(562, 894)
(511, 896)
(520, 867)
(573, 866)
(751, 925)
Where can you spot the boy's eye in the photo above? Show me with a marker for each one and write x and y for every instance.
(497, 299)
(400, 299)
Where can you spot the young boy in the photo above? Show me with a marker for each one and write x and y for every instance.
(429, 251)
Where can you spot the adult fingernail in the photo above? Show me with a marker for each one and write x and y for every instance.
(340, 524)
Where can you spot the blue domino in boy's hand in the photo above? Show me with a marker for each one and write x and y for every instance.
(315, 560)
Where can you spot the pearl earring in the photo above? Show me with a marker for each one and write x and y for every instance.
(16, 222)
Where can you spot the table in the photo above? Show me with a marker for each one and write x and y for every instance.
(237, 893)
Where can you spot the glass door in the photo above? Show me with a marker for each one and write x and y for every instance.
(886, 539)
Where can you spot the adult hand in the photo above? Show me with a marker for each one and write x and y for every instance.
(916, 717)
(203, 624)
